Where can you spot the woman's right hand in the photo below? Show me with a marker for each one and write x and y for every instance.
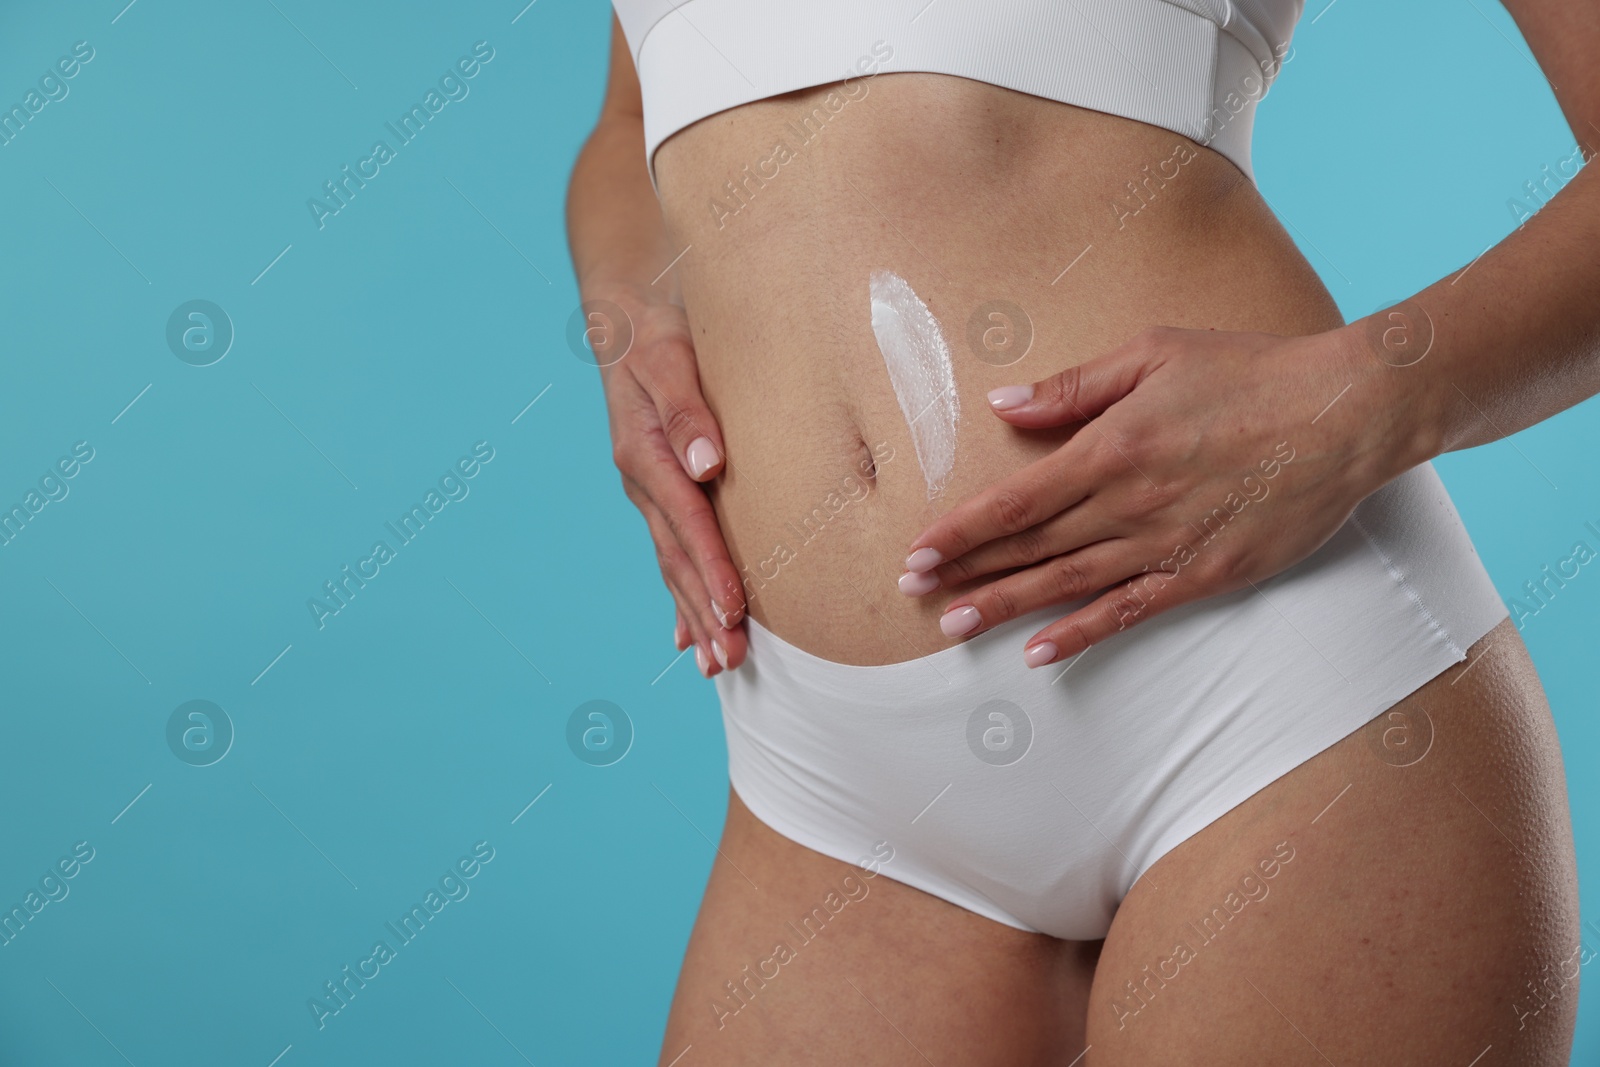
(664, 440)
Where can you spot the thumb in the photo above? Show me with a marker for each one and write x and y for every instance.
(690, 428)
(1077, 394)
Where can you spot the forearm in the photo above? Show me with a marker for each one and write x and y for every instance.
(1509, 340)
(614, 227)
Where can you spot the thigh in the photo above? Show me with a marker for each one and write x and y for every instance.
(799, 958)
(1408, 896)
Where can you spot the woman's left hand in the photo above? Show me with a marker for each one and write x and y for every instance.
(1207, 461)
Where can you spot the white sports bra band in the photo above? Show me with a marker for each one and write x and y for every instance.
(1196, 67)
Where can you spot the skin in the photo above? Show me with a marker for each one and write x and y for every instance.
(1368, 947)
(653, 396)
(1507, 343)
(932, 982)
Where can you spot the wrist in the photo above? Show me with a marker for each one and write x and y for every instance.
(1389, 362)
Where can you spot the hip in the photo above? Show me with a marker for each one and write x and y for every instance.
(956, 757)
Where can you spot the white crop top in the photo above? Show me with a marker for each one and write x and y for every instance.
(1197, 67)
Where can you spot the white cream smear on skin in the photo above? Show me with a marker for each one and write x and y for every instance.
(919, 365)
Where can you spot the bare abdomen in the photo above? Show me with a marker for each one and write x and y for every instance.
(1017, 221)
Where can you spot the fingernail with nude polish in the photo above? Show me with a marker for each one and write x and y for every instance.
(720, 652)
(701, 661)
(924, 559)
(958, 621)
(722, 616)
(1010, 396)
(1040, 654)
(918, 583)
(702, 456)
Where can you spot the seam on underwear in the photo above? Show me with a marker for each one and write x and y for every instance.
(673, 10)
(1216, 80)
(1201, 15)
(1410, 591)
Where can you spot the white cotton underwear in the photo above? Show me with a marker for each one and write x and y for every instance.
(1038, 797)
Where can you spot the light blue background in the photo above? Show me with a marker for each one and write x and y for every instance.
(428, 713)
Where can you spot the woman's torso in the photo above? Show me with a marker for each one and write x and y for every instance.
(1077, 225)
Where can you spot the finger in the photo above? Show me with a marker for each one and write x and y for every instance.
(691, 522)
(681, 578)
(1137, 600)
(716, 649)
(698, 643)
(725, 646)
(1064, 532)
(680, 630)
(729, 647)
(1030, 496)
(650, 478)
(1058, 580)
(694, 607)
(673, 382)
(1078, 393)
